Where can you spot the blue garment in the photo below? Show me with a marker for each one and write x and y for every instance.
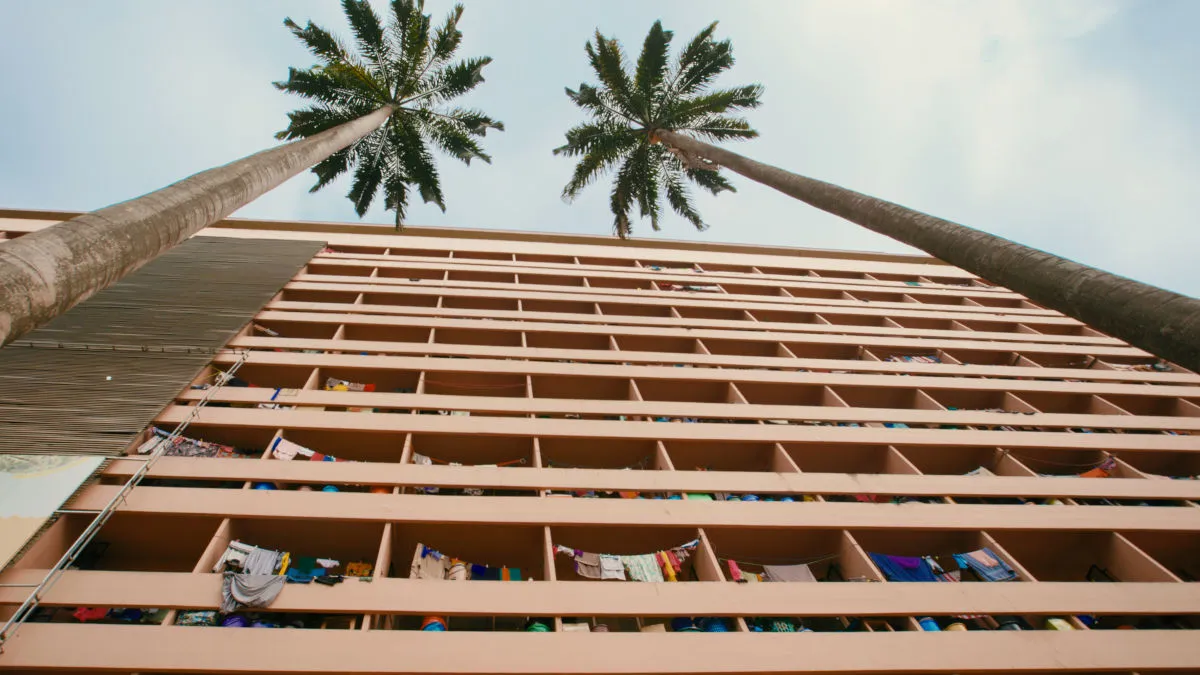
(298, 576)
(903, 568)
(998, 572)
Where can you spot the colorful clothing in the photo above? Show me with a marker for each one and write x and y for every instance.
(642, 567)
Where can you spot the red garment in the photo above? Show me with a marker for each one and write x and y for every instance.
(674, 559)
(735, 572)
(85, 614)
(317, 457)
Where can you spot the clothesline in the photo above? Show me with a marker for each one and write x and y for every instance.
(784, 561)
(640, 464)
(1089, 465)
(419, 458)
(182, 446)
(284, 449)
(429, 563)
(691, 544)
(456, 385)
(664, 565)
(253, 575)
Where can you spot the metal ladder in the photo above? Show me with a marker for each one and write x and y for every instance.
(31, 604)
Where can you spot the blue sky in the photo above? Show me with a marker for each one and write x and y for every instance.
(1071, 126)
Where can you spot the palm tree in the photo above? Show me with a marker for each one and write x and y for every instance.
(1159, 321)
(45, 273)
(402, 69)
(626, 109)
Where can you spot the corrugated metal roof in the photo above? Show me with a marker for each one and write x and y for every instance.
(196, 295)
(91, 379)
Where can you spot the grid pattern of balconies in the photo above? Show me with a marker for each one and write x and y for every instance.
(522, 400)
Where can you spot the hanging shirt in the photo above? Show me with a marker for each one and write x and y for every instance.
(800, 573)
(642, 567)
(903, 568)
(587, 565)
(429, 564)
(611, 567)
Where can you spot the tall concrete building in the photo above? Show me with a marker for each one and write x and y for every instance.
(331, 448)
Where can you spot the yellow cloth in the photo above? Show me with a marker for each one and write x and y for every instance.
(358, 569)
(284, 562)
(668, 571)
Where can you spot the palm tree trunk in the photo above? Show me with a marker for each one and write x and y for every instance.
(45, 273)
(1161, 322)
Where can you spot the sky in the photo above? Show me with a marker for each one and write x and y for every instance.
(1072, 126)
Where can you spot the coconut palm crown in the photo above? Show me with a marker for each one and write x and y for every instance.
(407, 67)
(627, 108)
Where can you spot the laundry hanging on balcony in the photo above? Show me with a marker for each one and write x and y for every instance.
(665, 565)
(432, 564)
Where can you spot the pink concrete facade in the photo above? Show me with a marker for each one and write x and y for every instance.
(747, 407)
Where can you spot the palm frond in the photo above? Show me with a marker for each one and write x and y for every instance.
(368, 33)
(652, 66)
(712, 181)
(583, 138)
(335, 85)
(419, 167)
(321, 117)
(621, 198)
(686, 110)
(451, 81)
(367, 177)
(319, 41)
(722, 128)
(701, 62)
(402, 12)
(608, 62)
(601, 152)
(680, 199)
(648, 171)
(395, 196)
(328, 169)
(446, 38)
(599, 102)
(452, 132)
(415, 40)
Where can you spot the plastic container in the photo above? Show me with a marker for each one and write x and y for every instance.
(434, 624)
(1009, 623)
(928, 624)
(684, 624)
